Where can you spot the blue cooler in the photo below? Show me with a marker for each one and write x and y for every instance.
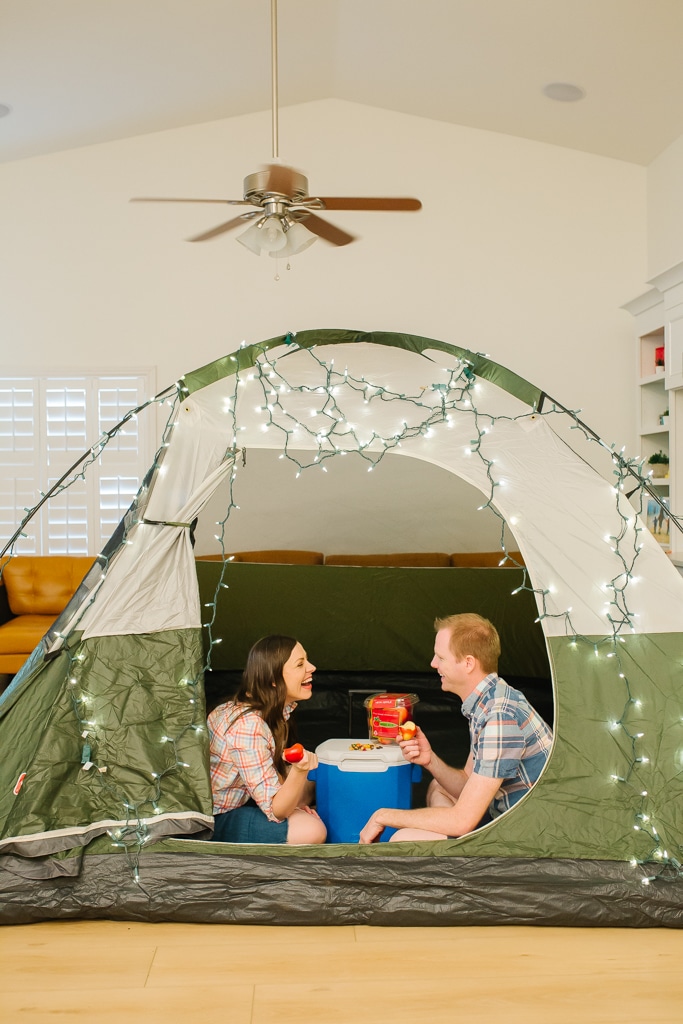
(352, 783)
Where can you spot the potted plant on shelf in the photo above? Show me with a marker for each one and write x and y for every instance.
(660, 464)
(664, 419)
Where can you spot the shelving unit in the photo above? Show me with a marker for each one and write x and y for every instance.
(654, 418)
(653, 409)
(659, 396)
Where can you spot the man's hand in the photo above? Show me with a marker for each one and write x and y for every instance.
(371, 831)
(418, 750)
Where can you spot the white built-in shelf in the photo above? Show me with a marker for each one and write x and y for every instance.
(658, 394)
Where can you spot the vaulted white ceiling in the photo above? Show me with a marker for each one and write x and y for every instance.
(77, 72)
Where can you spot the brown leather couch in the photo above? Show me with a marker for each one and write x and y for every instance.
(275, 556)
(37, 589)
(404, 559)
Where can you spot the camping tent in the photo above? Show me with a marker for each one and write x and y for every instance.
(113, 765)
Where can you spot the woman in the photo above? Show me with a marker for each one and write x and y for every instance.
(257, 796)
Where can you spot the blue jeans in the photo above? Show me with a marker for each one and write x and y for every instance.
(248, 824)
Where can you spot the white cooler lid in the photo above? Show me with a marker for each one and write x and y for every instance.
(376, 757)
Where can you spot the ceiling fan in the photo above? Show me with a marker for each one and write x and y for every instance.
(284, 218)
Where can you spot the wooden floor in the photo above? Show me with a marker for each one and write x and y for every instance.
(109, 971)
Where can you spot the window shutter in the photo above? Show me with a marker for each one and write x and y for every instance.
(46, 423)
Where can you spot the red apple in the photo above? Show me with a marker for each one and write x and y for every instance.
(293, 754)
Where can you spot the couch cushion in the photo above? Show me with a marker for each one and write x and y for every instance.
(20, 635)
(43, 584)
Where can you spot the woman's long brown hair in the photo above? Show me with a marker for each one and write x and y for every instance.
(263, 688)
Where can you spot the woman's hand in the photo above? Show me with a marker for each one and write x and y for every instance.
(308, 762)
(295, 788)
(418, 750)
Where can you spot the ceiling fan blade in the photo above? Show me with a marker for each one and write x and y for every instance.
(157, 199)
(221, 228)
(328, 231)
(369, 203)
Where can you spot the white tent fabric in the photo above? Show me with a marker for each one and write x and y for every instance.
(564, 514)
(151, 584)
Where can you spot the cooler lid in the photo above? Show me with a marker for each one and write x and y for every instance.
(360, 754)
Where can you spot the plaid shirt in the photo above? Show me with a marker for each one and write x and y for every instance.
(242, 748)
(510, 740)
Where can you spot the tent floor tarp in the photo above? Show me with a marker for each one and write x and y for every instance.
(193, 881)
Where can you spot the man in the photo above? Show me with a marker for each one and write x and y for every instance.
(509, 741)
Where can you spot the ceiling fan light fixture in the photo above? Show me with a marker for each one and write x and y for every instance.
(267, 235)
(298, 238)
(274, 237)
(251, 238)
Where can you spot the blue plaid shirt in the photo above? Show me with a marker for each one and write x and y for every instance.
(510, 740)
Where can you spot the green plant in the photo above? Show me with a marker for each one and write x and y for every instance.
(658, 457)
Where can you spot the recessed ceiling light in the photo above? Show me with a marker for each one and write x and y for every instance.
(564, 92)
(4, 110)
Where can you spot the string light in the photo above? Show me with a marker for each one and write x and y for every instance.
(332, 434)
(455, 398)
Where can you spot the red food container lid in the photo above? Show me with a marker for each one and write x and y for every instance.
(381, 701)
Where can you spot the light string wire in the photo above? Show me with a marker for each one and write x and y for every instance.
(72, 474)
(437, 404)
(625, 544)
(337, 436)
(133, 831)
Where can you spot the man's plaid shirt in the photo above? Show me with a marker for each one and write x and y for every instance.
(509, 739)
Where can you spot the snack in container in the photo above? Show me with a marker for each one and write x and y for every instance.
(387, 712)
(407, 730)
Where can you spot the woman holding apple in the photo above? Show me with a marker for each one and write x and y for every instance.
(257, 796)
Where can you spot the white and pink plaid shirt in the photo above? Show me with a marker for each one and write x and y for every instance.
(242, 748)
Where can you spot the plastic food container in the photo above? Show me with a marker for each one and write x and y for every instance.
(387, 712)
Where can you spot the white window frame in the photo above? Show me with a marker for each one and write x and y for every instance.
(81, 518)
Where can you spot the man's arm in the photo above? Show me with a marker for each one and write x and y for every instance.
(475, 796)
(453, 780)
(418, 750)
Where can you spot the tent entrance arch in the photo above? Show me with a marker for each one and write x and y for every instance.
(607, 599)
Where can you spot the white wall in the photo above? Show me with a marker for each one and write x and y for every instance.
(522, 250)
(665, 209)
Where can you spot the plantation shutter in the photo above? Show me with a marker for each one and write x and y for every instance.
(46, 424)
